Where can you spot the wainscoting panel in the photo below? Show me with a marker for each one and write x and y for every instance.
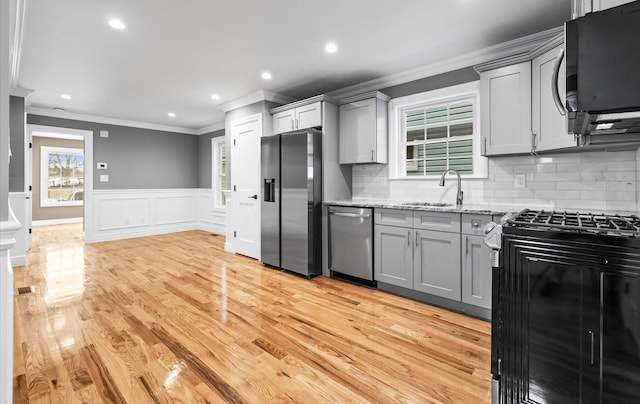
(20, 206)
(127, 213)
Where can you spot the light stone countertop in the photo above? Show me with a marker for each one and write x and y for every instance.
(488, 209)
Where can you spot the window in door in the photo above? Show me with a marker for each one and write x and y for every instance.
(62, 176)
(219, 171)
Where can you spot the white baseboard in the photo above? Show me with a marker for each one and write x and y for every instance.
(50, 222)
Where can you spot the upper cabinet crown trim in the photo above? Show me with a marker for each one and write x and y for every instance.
(556, 40)
(304, 102)
(258, 96)
(366, 96)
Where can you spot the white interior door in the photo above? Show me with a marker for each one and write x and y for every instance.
(245, 179)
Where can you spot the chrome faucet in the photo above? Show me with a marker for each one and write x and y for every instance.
(459, 195)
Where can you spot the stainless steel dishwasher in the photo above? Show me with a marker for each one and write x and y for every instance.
(351, 242)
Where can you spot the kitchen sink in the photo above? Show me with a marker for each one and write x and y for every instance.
(433, 204)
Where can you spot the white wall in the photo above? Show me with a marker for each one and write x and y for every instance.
(603, 181)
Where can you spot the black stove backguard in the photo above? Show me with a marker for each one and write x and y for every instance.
(566, 320)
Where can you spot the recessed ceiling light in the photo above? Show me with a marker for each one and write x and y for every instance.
(266, 76)
(330, 47)
(215, 97)
(172, 114)
(117, 24)
(65, 96)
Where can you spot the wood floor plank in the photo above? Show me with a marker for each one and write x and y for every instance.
(175, 318)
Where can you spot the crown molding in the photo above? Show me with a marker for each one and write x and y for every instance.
(108, 121)
(262, 95)
(17, 36)
(211, 128)
(500, 51)
(306, 101)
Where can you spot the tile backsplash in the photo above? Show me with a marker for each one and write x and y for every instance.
(588, 181)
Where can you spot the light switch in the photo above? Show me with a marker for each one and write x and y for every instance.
(102, 166)
(520, 181)
(104, 178)
(104, 133)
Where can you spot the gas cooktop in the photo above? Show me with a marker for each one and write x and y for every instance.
(618, 225)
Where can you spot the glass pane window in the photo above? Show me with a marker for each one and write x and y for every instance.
(438, 137)
(219, 172)
(62, 176)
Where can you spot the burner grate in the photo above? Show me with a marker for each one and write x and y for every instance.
(619, 225)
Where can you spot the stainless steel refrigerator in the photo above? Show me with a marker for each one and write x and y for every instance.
(291, 229)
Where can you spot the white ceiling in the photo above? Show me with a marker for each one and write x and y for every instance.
(174, 55)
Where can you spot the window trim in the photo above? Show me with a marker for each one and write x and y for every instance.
(216, 142)
(44, 176)
(398, 106)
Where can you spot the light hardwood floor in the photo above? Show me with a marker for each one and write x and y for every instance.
(174, 318)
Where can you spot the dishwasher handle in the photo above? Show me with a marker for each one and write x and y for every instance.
(354, 215)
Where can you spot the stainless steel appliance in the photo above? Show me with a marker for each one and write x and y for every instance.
(566, 308)
(603, 85)
(291, 229)
(351, 242)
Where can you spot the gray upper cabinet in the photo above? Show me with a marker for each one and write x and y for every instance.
(547, 123)
(363, 129)
(301, 117)
(518, 111)
(505, 111)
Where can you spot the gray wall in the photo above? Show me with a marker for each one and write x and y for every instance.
(16, 134)
(51, 212)
(443, 80)
(205, 159)
(137, 158)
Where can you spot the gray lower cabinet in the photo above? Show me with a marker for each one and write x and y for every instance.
(418, 250)
(393, 263)
(476, 272)
(476, 261)
(436, 253)
(436, 267)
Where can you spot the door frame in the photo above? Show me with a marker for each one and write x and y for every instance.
(232, 215)
(56, 131)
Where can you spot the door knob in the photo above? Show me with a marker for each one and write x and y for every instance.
(253, 196)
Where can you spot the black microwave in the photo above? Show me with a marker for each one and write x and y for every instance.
(603, 72)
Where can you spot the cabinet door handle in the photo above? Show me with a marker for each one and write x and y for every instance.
(297, 123)
(466, 246)
(555, 91)
(417, 239)
(372, 159)
(408, 238)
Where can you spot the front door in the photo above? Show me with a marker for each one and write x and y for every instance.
(245, 178)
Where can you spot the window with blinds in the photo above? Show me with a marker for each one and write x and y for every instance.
(438, 137)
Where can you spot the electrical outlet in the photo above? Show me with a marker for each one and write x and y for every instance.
(104, 178)
(520, 181)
